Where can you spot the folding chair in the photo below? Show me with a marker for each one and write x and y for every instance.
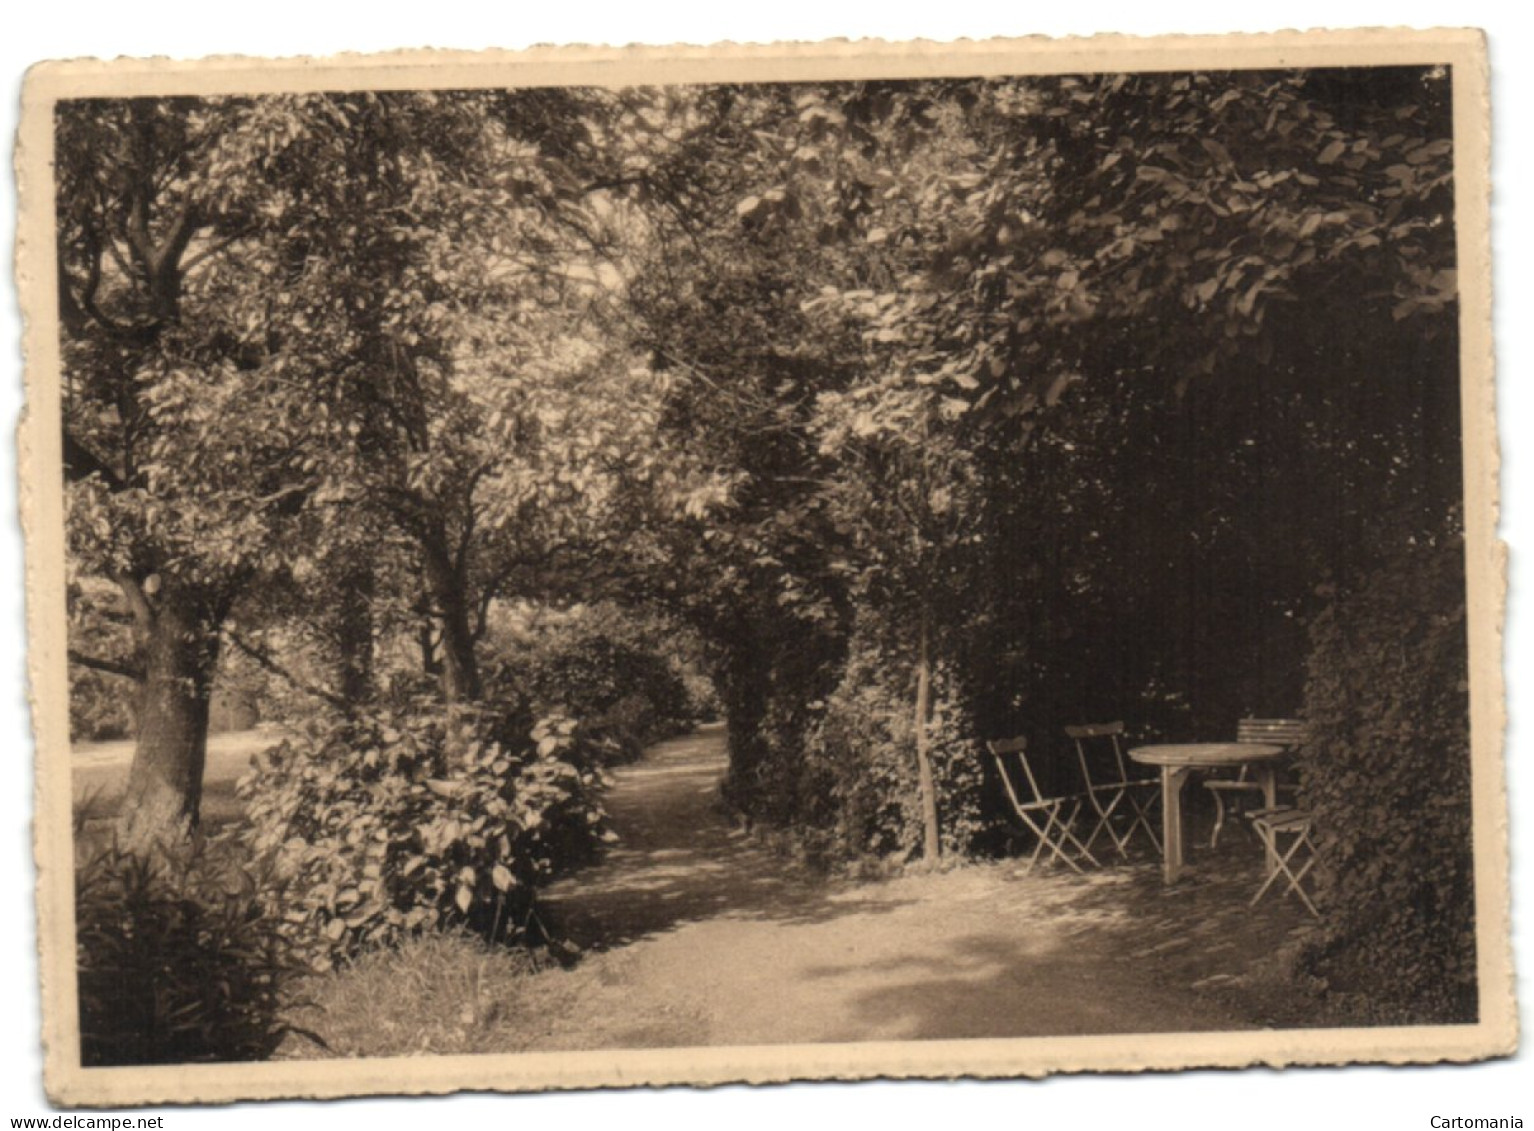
(1115, 797)
(1048, 818)
(1293, 863)
(1288, 733)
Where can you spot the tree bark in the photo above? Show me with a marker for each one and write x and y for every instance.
(426, 641)
(354, 636)
(460, 670)
(931, 841)
(163, 799)
(744, 690)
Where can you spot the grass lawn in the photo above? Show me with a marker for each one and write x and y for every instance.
(99, 773)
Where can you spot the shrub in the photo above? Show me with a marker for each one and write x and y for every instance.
(861, 763)
(604, 669)
(1387, 773)
(384, 826)
(178, 959)
(702, 702)
(775, 680)
(100, 706)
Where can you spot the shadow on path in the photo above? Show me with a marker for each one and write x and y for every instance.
(680, 859)
(704, 937)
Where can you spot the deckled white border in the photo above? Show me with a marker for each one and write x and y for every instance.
(606, 65)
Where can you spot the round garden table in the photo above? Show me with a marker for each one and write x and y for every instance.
(1179, 761)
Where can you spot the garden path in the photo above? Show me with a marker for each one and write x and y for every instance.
(701, 935)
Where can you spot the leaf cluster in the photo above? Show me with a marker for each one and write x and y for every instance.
(384, 826)
(624, 677)
(860, 761)
(180, 959)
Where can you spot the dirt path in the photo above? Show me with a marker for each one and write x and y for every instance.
(703, 937)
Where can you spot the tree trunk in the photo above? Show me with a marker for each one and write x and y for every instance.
(460, 670)
(354, 636)
(931, 842)
(162, 802)
(744, 690)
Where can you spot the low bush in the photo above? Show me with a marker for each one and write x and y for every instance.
(381, 827)
(179, 960)
(1387, 772)
(702, 698)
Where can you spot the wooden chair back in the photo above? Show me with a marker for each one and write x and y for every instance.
(1018, 748)
(1100, 750)
(1287, 733)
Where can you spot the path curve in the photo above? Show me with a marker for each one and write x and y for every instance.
(701, 936)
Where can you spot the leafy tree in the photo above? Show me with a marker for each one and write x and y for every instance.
(740, 544)
(173, 494)
(1180, 316)
(1042, 385)
(258, 295)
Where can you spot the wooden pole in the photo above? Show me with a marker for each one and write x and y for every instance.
(931, 842)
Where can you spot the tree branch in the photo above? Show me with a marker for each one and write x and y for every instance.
(117, 258)
(81, 463)
(138, 602)
(218, 248)
(411, 507)
(488, 594)
(265, 659)
(168, 255)
(466, 537)
(137, 230)
(76, 309)
(110, 667)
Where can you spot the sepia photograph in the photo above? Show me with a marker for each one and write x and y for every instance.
(596, 568)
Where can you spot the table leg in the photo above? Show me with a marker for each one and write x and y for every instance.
(1267, 776)
(1172, 780)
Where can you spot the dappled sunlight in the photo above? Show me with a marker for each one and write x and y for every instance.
(678, 859)
(995, 984)
(1108, 952)
(696, 919)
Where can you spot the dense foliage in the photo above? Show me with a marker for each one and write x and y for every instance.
(380, 827)
(1387, 772)
(614, 672)
(910, 414)
(1050, 382)
(180, 960)
(862, 794)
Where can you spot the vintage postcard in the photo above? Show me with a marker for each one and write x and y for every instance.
(600, 567)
